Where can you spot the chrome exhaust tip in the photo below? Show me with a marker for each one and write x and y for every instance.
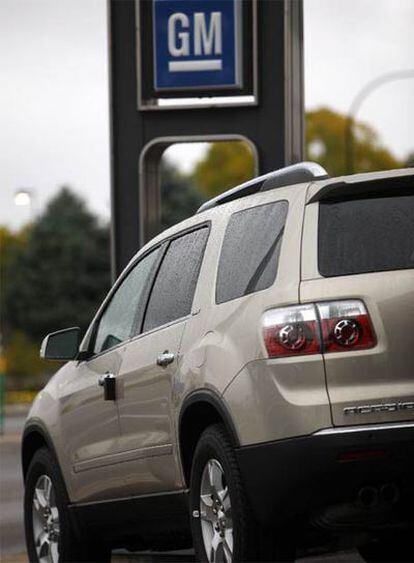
(390, 493)
(368, 497)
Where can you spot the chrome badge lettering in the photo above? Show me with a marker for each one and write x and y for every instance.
(381, 407)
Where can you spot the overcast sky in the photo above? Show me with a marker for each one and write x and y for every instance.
(54, 88)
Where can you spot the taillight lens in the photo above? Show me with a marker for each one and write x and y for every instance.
(334, 326)
(345, 325)
(291, 331)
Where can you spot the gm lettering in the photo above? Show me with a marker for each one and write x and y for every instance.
(205, 40)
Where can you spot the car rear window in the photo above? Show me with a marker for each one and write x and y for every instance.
(250, 253)
(366, 235)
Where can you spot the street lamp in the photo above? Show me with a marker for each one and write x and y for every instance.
(356, 104)
(25, 198)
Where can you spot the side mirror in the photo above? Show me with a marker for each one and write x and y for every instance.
(61, 345)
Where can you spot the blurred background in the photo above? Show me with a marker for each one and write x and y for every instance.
(55, 154)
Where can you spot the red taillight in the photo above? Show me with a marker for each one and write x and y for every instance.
(335, 326)
(345, 326)
(291, 331)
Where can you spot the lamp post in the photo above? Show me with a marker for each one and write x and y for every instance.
(356, 105)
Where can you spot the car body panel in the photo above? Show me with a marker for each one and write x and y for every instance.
(278, 399)
(90, 431)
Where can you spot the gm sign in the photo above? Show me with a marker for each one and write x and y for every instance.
(197, 44)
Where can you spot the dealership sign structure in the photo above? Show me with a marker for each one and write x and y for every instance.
(197, 70)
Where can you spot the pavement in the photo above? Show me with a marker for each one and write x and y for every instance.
(11, 488)
(12, 543)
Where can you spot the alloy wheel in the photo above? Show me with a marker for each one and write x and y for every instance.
(45, 520)
(215, 514)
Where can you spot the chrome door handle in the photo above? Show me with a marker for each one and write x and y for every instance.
(165, 359)
(101, 380)
(108, 382)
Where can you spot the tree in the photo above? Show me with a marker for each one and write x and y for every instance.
(179, 195)
(226, 165)
(11, 245)
(60, 275)
(409, 161)
(325, 144)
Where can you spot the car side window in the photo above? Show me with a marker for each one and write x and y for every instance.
(250, 253)
(117, 322)
(174, 288)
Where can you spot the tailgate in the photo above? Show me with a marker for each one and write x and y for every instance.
(365, 251)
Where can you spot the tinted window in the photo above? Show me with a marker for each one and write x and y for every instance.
(366, 235)
(173, 291)
(251, 247)
(117, 322)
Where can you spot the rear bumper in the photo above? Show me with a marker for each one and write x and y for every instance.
(299, 476)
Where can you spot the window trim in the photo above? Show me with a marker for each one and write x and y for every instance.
(283, 200)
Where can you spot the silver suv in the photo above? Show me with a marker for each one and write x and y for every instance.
(247, 386)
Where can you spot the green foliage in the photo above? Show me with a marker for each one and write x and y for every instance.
(11, 245)
(226, 165)
(22, 356)
(325, 144)
(180, 196)
(59, 276)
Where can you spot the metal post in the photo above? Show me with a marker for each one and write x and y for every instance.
(357, 103)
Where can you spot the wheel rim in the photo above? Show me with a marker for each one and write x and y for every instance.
(215, 513)
(45, 519)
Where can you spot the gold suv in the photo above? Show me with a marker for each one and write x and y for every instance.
(247, 386)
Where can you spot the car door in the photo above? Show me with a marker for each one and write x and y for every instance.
(149, 366)
(90, 423)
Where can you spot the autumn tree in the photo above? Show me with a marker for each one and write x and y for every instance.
(226, 165)
(326, 138)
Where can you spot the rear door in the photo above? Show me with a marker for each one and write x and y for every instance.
(150, 362)
(363, 248)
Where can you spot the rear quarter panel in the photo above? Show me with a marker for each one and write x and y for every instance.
(222, 348)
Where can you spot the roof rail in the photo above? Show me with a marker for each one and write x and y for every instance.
(290, 175)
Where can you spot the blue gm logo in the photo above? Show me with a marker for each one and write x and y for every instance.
(197, 44)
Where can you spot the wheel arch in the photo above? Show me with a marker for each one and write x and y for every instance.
(34, 438)
(200, 410)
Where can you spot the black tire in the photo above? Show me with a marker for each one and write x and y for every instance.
(70, 546)
(396, 548)
(250, 543)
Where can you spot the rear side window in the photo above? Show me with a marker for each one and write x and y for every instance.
(366, 235)
(173, 291)
(251, 247)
